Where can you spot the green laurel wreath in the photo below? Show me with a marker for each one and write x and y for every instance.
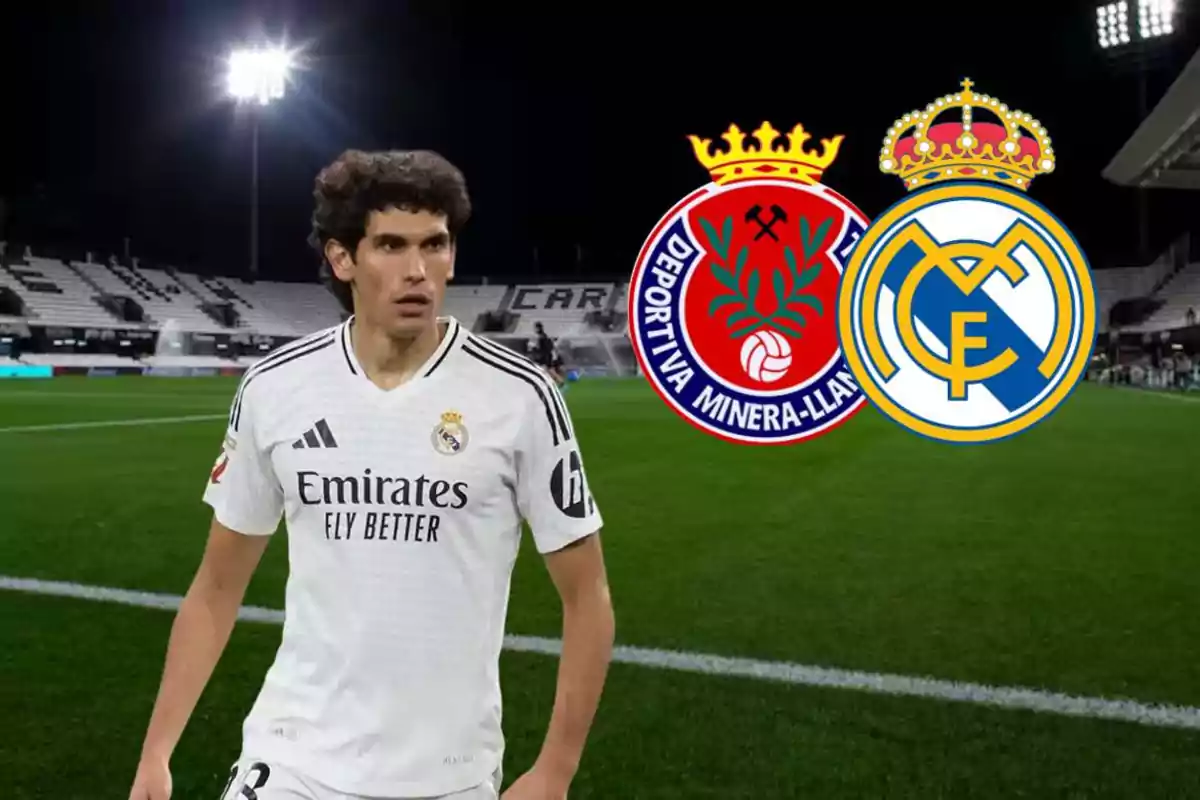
(731, 279)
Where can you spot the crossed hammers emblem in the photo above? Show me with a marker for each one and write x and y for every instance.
(755, 215)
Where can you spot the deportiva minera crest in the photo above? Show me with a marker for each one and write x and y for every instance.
(733, 297)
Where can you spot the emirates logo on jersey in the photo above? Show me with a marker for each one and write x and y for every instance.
(358, 493)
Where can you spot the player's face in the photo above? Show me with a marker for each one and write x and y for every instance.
(400, 270)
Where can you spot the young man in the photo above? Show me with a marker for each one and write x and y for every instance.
(404, 452)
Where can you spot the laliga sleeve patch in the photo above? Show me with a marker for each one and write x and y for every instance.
(219, 467)
(567, 486)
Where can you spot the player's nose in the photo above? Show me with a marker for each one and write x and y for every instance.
(412, 268)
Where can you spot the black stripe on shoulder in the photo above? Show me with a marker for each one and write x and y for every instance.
(344, 335)
(517, 360)
(507, 352)
(559, 434)
(315, 347)
(445, 352)
(292, 347)
(270, 358)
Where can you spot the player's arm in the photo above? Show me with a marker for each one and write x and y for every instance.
(201, 630)
(247, 503)
(588, 631)
(556, 500)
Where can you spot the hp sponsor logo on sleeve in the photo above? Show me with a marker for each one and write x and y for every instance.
(569, 488)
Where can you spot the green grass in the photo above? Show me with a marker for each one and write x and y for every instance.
(1064, 559)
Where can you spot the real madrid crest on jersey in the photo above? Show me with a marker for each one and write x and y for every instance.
(967, 311)
(449, 436)
(732, 299)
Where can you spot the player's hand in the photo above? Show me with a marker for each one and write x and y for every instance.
(153, 780)
(537, 784)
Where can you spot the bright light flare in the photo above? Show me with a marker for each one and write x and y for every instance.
(259, 75)
(1155, 18)
(1112, 24)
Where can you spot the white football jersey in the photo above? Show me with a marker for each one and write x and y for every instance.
(404, 511)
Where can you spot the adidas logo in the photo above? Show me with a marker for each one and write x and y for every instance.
(318, 435)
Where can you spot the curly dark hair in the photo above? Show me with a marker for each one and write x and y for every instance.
(358, 182)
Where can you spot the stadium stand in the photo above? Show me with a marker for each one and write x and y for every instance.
(469, 303)
(164, 285)
(168, 319)
(1174, 298)
(197, 287)
(1164, 151)
(1157, 344)
(54, 294)
(1119, 285)
(157, 305)
(561, 308)
(12, 305)
(284, 309)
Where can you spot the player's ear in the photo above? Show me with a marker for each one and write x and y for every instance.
(341, 261)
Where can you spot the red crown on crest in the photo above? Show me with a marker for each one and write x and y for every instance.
(924, 147)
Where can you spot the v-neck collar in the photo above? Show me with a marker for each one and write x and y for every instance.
(427, 370)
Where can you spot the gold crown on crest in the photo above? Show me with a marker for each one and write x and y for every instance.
(766, 159)
(921, 150)
(451, 418)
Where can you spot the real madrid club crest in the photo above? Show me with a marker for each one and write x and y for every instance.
(731, 302)
(967, 312)
(449, 436)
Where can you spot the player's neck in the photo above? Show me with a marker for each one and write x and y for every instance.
(387, 361)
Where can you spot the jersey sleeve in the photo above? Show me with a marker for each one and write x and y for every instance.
(242, 489)
(553, 493)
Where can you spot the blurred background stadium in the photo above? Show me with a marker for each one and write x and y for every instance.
(153, 225)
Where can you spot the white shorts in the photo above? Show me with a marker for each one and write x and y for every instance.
(254, 779)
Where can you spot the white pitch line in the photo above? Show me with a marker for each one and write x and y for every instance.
(1008, 697)
(112, 423)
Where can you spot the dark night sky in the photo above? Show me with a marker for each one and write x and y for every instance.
(570, 125)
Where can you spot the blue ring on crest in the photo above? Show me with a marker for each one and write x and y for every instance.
(805, 400)
(1083, 302)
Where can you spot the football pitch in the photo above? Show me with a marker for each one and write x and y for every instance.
(868, 615)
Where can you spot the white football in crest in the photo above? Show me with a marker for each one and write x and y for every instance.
(766, 355)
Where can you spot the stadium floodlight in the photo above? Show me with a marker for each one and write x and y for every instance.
(1112, 24)
(1155, 18)
(259, 75)
(1156, 23)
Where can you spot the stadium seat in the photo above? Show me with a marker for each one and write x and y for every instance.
(72, 302)
(1178, 294)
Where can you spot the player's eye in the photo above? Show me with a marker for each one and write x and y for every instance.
(390, 244)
